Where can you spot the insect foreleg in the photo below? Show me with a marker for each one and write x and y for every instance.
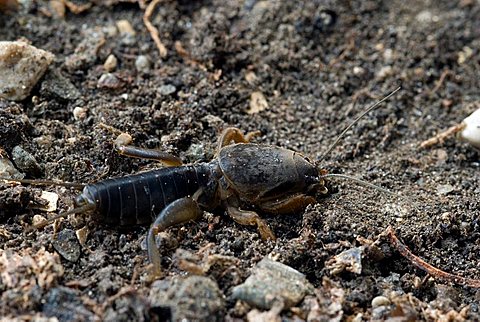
(291, 204)
(245, 217)
(236, 135)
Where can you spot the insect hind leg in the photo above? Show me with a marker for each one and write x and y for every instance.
(150, 154)
(179, 211)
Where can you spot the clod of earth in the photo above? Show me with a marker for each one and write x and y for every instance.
(192, 298)
(21, 67)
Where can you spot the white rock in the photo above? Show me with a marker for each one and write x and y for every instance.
(471, 132)
(7, 170)
(21, 66)
(380, 301)
(142, 63)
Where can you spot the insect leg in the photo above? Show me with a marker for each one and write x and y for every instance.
(236, 135)
(180, 211)
(291, 204)
(151, 154)
(244, 217)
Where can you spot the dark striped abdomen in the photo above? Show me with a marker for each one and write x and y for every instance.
(137, 199)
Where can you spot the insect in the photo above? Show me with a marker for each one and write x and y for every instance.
(241, 176)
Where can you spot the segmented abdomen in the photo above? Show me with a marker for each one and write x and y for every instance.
(138, 198)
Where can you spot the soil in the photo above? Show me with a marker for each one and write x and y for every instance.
(317, 64)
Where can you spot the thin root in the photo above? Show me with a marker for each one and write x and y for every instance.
(348, 48)
(440, 137)
(152, 30)
(421, 264)
(440, 81)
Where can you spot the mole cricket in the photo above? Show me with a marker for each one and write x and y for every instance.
(241, 177)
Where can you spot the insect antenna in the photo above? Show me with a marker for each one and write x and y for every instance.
(339, 137)
(64, 214)
(360, 182)
(41, 182)
(369, 109)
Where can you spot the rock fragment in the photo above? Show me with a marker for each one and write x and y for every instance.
(109, 81)
(65, 304)
(58, 86)
(110, 63)
(67, 245)
(349, 260)
(142, 63)
(86, 52)
(25, 161)
(195, 298)
(167, 89)
(272, 282)
(21, 67)
(380, 301)
(258, 103)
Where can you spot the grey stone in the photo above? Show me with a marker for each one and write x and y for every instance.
(67, 245)
(271, 282)
(195, 298)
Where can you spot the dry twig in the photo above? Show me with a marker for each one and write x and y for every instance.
(440, 137)
(348, 48)
(424, 266)
(152, 30)
(440, 81)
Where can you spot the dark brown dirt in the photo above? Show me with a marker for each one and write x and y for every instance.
(318, 64)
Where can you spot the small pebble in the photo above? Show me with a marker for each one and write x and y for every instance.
(38, 219)
(380, 301)
(167, 89)
(426, 17)
(388, 55)
(271, 281)
(142, 63)
(79, 113)
(357, 70)
(124, 27)
(56, 85)
(258, 103)
(82, 235)
(21, 67)
(8, 170)
(65, 304)
(25, 161)
(196, 151)
(385, 72)
(349, 260)
(380, 313)
(108, 81)
(51, 198)
(110, 63)
(123, 139)
(67, 245)
(127, 32)
(445, 189)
